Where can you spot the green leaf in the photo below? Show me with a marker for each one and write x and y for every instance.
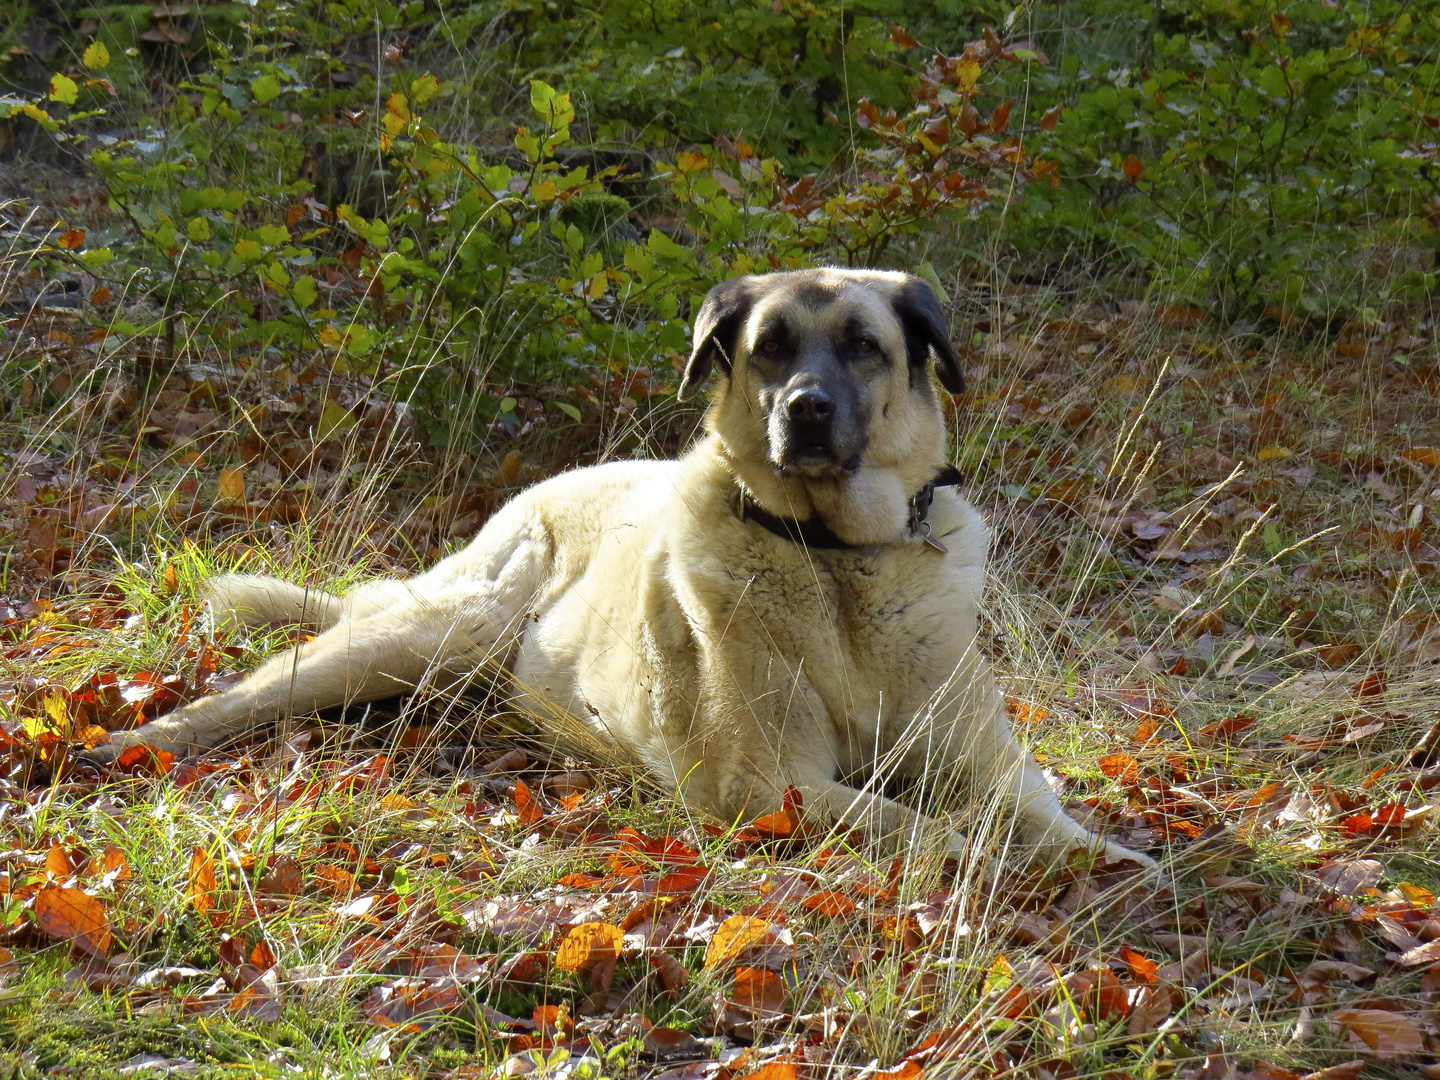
(63, 89)
(335, 419)
(96, 55)
(97, 256)
(265, 88)
(198, 229)
(662, 245)
(248, 250)
(568, 409)
(303, 291)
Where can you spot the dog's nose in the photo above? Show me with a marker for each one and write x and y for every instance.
(810, 406)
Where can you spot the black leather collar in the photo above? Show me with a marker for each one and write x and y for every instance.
(814, 533)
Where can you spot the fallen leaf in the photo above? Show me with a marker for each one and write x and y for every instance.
(735, 935)
(588, 944)
(200, 891)
(231, 485)
(74, 916)
(1387, 1034)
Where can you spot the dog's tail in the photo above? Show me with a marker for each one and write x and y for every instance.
(249, 601)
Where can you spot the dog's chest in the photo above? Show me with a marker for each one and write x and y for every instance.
(875, 635)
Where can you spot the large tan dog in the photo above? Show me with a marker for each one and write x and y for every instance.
(791, 603)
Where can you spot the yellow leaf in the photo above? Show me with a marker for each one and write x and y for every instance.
(96, 55)
(231, 485)
(734, 936)
(967, 75)
(588, 944)
(63, 89)
(688, 162)
(545, 191)
(55, 709)
(1271, 453)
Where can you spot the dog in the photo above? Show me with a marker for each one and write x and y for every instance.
(792, 604)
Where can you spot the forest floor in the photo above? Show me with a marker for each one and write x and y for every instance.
(1212, 605)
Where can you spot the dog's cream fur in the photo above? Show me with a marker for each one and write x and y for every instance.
(730, 661)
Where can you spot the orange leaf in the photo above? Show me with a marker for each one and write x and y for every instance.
(75, 916)
(775, 1070)
(759, 990)
(143, 759)
(1142, 969)
(115, 862)
(282, 878)
(526, 804)
(1001, 116)
(57, 863)
(589, 943)
(732, 938)
(71, 239)
(100, 295)
(828, 902)
(1051, 118)
(201, 890)
(1422, 455)
(1132, 168)
(1120, 767)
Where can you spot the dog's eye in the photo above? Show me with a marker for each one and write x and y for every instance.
(769, 346)
(866, 347)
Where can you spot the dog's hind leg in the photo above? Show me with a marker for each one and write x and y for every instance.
(456, 626)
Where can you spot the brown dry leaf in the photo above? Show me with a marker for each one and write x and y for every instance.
(1152, 1006)
(1387, 1034)
(672, 974)
(588, 944)
(283, 878)
(201, 889)
(75, 916)
(1133, 168)
(759, 991)
(335, 880)
(231, 485)
(732, 938)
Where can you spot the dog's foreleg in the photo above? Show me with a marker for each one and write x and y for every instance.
(998, 766)
(879, 817)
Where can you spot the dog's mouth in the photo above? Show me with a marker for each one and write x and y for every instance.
(816, 461)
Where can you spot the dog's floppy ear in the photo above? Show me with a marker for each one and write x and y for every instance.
(717, 329)
(926, 328)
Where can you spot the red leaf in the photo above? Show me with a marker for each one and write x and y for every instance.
(901, 38)
(1051, 118)
(1001, 116)
(143, 759)
(1133, 168)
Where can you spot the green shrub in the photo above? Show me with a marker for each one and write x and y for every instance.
(1256, 154)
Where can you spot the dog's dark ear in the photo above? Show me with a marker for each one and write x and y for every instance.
(926, 328)
(717, 329)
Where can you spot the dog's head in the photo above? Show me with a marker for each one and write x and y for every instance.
(824, 374)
